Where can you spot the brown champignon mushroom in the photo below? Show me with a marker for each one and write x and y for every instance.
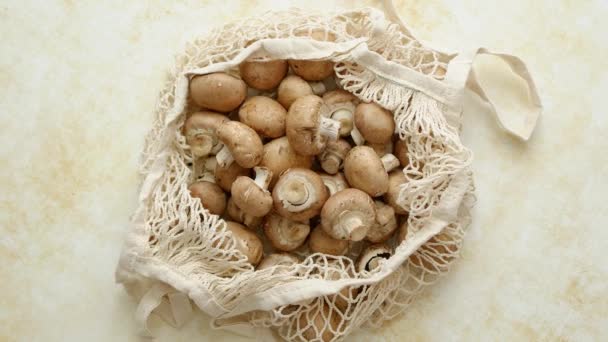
(306, 126)
(334, 183)
(341, 106)
(265, 115)
(200, 130)
(246, 242)
(402, 233)
(278, 259)
(348, 294)
(319, 325)
(241, 144)
(437, 253)
(381, 149)
(204, 170)
(321, 242)
(395, 180)
(292, 88)
(236, 214)
(372, 257)
(285, 234)
(212, 197)
(332, 157)
(364, 170)
(252, 195)
(263, 75)
(218, 91)
(279, 156)
(385, 226)
(401, 152)
(299, 194)
(348, 215)
(312, 70)
(226, 175)
(374, 123)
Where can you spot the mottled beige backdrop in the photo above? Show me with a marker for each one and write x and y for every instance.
(78, 84)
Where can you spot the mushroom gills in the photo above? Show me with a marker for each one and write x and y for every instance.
(329, 128)
(296, 195)
(374, 262)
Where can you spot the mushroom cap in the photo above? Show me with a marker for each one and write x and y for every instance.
(332, 157)
(251, 198)
(246, 242)
(265, 115)
(348, 215)
(279, 156)
(401, 152)
(375, 123)
(278, 259)
(299, 194)
(321, 242)
(370, 257)
(218, 91)
(339, 96)
(235, 213)
(395, 179)
(263, 75)
(381, 149)
(243, 142)
(200, 130)
(386, 223)
(285, 234)
(226, 175)
(312, 70)
(364, 170)
(302, 125)
(212, 197)
(291, 88)
(319, 325)
(334, 183)
(341, 105)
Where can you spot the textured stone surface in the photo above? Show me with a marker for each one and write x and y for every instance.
(78, 83)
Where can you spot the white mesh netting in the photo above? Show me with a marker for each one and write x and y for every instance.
(174, 234)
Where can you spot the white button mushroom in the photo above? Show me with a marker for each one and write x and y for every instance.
(291, 89)
(299, 194)
(265, 115)
(235, 213)
(241, 144)
(212, 197)
(385, 226)
(374, 123)
(226, 175)
(348, 215)
(307, 128)
(332, 157)
(341, 106)
(263, 75)
(279, 156)
(321, 242)
(251, 195)
(246, 242)
(278, 259)
(219, 91)
(395, 180)
(334, 183)
(372, 257)
(364, 170)
(200, 132)
(285, 234)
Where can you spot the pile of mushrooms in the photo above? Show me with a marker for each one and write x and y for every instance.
(295, 165)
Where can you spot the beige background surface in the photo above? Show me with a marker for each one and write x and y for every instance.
(78, 83)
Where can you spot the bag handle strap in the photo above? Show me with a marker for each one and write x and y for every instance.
(462, 74)
(175, 309)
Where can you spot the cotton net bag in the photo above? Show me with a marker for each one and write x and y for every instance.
(177, 253)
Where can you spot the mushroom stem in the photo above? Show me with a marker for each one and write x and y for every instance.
(217, 147)
(224, 157)
(351, 225)
(329, 128)
(357, 137)
(331, 163)
(203, 139)
(390, 162)
(345, 116)
(296, 195)
(318, 88)
(263, 176)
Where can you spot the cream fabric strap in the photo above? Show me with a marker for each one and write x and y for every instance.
(172, 306)
(462, 74)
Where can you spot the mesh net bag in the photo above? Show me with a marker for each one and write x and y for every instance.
(176, 252)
